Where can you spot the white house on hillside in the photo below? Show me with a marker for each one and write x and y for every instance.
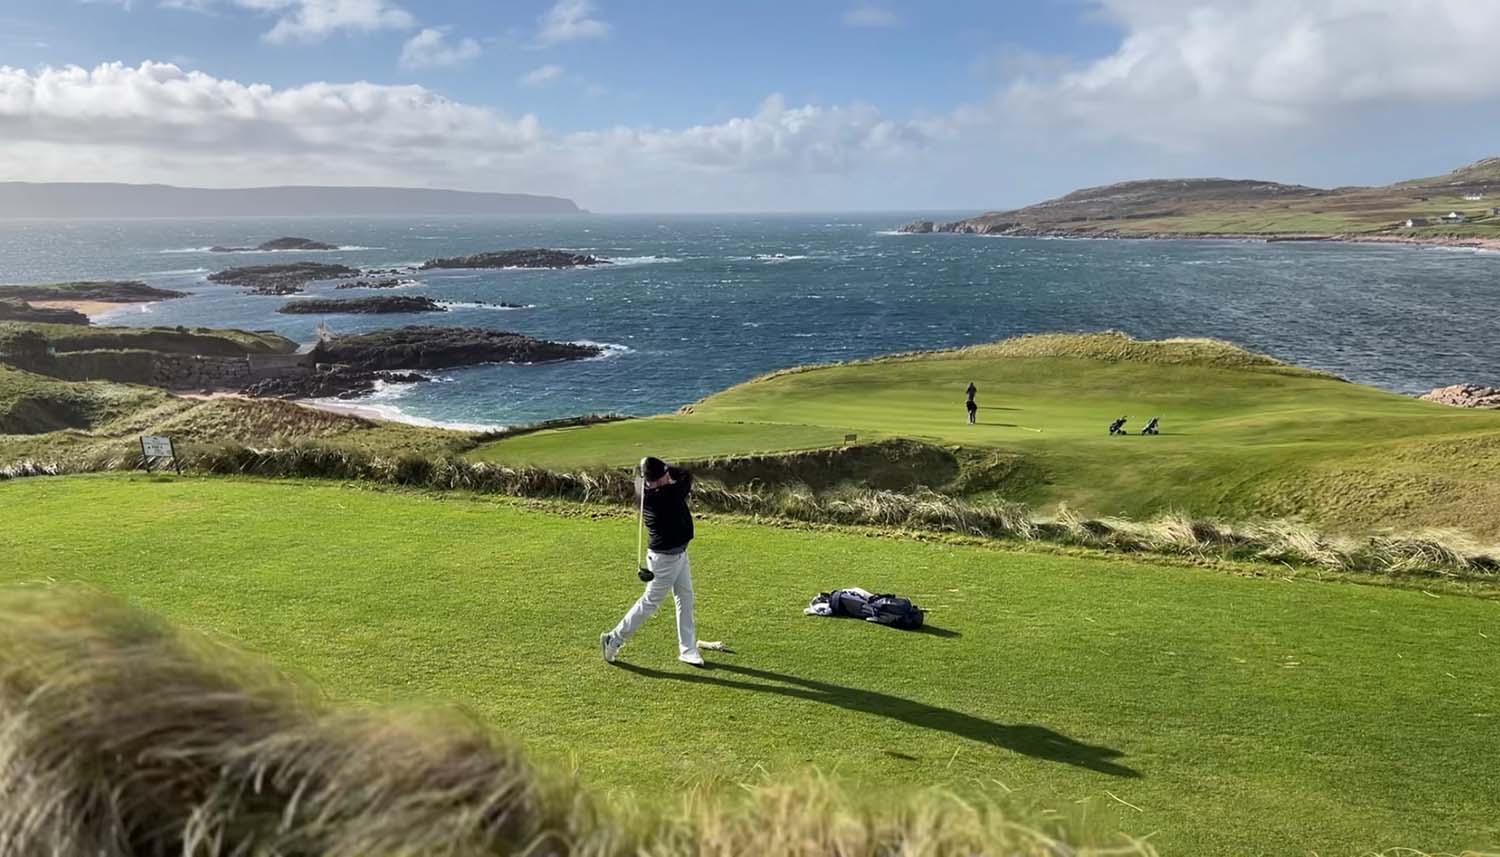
(1413, 222)
(1473, 197)
(1454, 217)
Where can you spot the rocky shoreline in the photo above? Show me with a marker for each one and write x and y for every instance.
(12, 310)
(1465, 396)
(336, 383)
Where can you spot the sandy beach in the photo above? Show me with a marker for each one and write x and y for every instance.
(92, 309)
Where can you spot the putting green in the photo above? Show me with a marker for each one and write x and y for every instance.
(1240, 438)
(1233, 714)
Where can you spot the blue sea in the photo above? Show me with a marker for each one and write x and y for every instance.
(693, 304)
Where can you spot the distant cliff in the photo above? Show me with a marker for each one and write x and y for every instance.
(117, 201)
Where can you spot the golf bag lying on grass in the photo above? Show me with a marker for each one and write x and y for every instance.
(885, 609)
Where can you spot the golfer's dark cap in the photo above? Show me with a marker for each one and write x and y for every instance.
(653, 468)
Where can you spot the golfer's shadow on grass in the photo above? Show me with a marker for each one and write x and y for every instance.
(1027, 739)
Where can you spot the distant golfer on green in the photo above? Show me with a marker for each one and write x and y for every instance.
(664, 512)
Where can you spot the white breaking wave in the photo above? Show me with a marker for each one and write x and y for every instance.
(378, 406)
(176, 272)
(641, 260)
(768, 257)
(347, 248)
(475, 305)
(611, 349)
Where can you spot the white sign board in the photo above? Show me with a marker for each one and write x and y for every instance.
(156, 447)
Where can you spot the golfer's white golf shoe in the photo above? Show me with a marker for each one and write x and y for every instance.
(609, 646)
(691, 659)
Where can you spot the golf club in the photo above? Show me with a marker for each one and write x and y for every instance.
(644, 573)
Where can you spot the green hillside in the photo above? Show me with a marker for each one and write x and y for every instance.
(1208, 207)
(1243, 436)
(1217, 714)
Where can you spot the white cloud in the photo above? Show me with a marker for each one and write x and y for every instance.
(870, 16)
(313, 20)
(1334, 92)
(157, 122)
(1192, 73)
(431, 49)
(569, 20)
(542, 75)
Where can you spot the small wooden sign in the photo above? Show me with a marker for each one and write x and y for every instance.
(156, 449)
(850, 438)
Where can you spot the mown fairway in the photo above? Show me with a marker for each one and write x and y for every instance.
(1238, 439)
(1240, 715)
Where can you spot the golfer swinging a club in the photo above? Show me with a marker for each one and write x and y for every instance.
(664, 513)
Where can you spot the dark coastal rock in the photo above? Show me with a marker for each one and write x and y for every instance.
(368, 306)
(536, 258)
(115, 291)
(285, 279)
(917, 227)
(420, 347)
(1465, 396)
(21, 311)
(388, 283)
(277, 244)
(339, 382)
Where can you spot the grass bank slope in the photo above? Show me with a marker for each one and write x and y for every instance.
(1243, 436)
(72, 423)
(1234, 715)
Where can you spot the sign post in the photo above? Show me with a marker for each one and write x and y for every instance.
(157, 449)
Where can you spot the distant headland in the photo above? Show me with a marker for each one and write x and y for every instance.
(24, 200)
(1457, 209)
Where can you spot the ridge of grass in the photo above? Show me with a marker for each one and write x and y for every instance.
(1244, 436)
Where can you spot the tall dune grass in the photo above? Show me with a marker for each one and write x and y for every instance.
(1423, 555)
(121, 736)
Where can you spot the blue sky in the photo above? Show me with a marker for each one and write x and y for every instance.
(678, 105)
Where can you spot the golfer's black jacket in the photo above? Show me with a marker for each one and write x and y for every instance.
(668, 521)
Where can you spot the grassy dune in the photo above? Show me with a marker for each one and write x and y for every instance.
(1243, 436)
(71, 422)
(1233, 714)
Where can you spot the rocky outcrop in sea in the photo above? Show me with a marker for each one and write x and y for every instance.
(110, 291)
(288, 279)
(535, 258)
(363, 306)
(386, 283)
(431, 347)
(1465, 396)
(277, 244)
(329, 383)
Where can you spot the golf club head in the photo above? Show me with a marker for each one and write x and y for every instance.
(646, 574)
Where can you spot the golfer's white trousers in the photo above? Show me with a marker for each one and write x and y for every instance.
(672, 575)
